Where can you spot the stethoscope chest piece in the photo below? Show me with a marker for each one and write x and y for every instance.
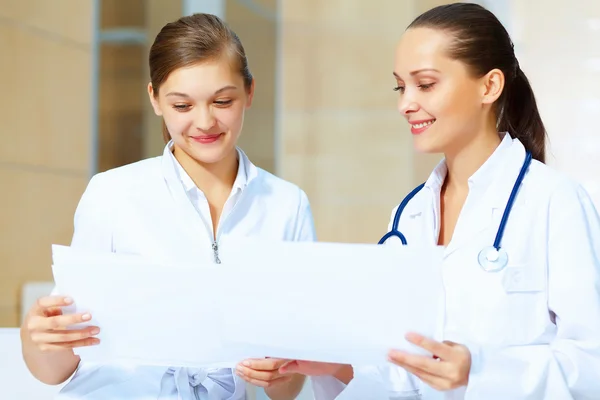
(492, 259)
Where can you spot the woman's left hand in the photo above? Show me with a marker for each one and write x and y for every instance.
(448, 369)
(263, 372)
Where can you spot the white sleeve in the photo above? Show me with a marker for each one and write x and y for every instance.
(92, 222)
(305, 227)
(385, 382)
(569, 367)
(94, 216)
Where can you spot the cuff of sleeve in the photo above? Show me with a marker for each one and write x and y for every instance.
(326, 387)
(476, 360)
(367, 383)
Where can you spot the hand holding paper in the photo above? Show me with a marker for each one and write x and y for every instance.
(448, 369)
(263, 372)
(48, 328)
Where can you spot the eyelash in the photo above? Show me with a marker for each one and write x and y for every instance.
(185, 107)
(423, 87)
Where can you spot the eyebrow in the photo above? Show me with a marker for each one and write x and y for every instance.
(413, 73)
(187, 96)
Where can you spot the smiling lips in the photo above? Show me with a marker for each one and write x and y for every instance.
(418, 127)
(207, 139)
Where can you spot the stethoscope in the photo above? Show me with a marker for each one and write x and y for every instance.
(492, 258)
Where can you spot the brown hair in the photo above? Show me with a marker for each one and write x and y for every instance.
(482, 43)
(191, 40)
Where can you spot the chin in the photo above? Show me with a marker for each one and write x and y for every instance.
(426, 146)
(212, 154)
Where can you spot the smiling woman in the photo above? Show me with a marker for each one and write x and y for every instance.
(174, 210)
(520, 319)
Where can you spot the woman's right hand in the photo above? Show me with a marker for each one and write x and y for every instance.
(47, 328)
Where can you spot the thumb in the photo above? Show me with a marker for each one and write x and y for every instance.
(291, 367)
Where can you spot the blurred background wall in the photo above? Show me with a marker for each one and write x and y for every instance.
(46, 75)
(73, 75)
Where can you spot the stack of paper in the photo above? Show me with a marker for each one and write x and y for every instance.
(331, 302)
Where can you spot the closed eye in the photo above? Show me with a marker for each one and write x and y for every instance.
(426, 86)
(223, 103)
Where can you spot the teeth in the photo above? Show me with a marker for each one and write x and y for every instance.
(423, 124)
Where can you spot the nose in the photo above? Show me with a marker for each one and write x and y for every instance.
(407, 104)
(205, 119)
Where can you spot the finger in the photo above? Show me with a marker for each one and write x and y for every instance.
(62, 321)
(423, 363)
(434, 381)
(56, 337)
(454, 346)
(283, 368)
(292, 367)
(53, 301)
(441, 350)
(257, 374)
(52, 311)
(266, 364)
(263, 383)
(310, 368)
(50, 347)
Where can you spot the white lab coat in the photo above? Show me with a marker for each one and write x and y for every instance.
(146, 208)
(534, 328)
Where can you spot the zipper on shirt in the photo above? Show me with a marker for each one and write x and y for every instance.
(215, 243)
(215, 248)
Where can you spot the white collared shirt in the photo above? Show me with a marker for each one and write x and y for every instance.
(198, 198)
(152, 208)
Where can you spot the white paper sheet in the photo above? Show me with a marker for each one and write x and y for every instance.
(148, 314)
(344, 303)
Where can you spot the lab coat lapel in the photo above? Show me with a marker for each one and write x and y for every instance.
(420, 219)
(183, 211)
(421, 216)
(487, 199)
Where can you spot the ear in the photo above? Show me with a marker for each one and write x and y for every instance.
(153, 100)
(492, 86)
(250, 94)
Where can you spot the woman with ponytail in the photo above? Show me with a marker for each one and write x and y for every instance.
(530, 329)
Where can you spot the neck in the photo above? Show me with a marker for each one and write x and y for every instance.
(464, 163)
(209, 177)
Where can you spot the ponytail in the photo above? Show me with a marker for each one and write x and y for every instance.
(165, 133)
(520, 117)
